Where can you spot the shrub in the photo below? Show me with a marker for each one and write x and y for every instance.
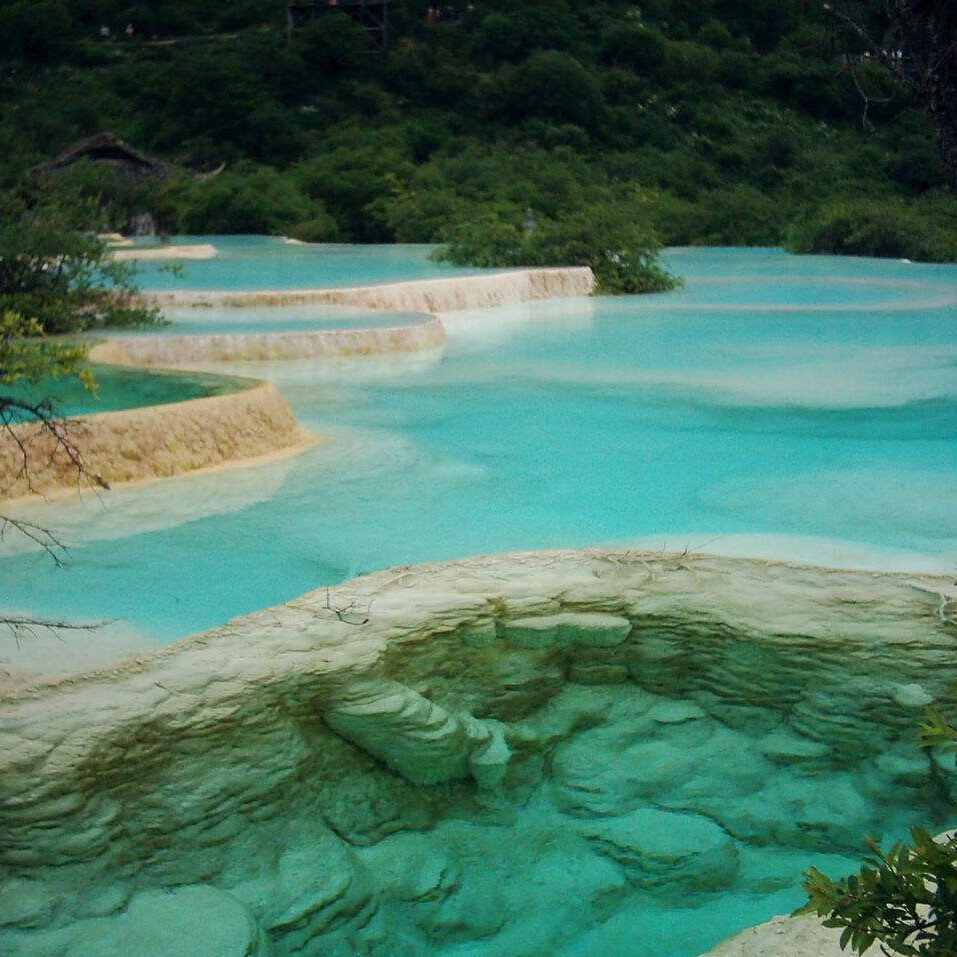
(245, 200)
(607, 236)
(636, 46)
(905, 898)
(871, 227)
(552, 86)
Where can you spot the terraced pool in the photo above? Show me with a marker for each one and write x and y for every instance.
(667, 790)
(796, 406)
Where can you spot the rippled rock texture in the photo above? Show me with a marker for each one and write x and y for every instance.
(149, 443)
(179, 351)
(417, 295)
(545, 753)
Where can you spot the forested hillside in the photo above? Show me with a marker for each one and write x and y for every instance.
(704, 121)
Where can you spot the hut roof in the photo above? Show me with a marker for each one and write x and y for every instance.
(106, 148)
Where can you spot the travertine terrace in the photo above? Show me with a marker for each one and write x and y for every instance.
(156, 442)
(300, 773)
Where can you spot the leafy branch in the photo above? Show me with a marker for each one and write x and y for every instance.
(904, 899)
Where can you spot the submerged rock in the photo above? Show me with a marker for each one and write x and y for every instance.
(196, 919)
(594, 630)
(25, 903)
(437, 778)
(661, 847)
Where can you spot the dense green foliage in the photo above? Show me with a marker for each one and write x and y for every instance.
(59, 279)
(55, 281)
(609, 238)
(735, 120)
(921, 230)
(27, 356)
(905, 899)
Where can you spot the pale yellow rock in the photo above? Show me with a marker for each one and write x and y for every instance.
(180, 351)
(589, 629)
(180, 766)
(158, 442)
(134, 445)
(783, 937)
(419, 295)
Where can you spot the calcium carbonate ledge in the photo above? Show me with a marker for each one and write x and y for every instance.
(186, 251)
(162, 441)
(293, 772)
(135, 445)
(180, 351)
(424, 296)
(419, 295)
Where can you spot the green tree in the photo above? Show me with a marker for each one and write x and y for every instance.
(552, 86)
(35, 32)
(55, 281)
(917, 41)
(59, 277)
(848, 225)
(608, 236)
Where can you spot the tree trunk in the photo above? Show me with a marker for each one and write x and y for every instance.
(927, 30)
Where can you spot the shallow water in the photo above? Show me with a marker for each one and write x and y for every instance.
(225, 321)
(269, 262)
(117, 388)
(682, 418)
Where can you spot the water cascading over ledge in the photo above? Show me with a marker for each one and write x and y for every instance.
(415, 295)
(442, 754)
(149, 443)
(322, 344)
(424, 296)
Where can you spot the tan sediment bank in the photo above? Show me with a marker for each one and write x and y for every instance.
(419, 295)
(135, 445)
(186, 251)
(278, 763)
(783, 937)
(173, 351)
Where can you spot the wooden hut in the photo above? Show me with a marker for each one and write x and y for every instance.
(106, 149)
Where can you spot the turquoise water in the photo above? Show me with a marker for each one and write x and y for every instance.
(118, 388)
(255, 319)
(268, 262)
(823, 405)
(804, 400)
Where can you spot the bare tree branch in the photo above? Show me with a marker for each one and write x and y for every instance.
(15, 413)
(917, 41)
(22, 626)
(35, 533)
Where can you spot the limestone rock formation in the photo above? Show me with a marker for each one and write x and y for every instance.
(323, 784)
(153, 442)
(196, 919)
(783, 937)
(418, 295)
(189, 350)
